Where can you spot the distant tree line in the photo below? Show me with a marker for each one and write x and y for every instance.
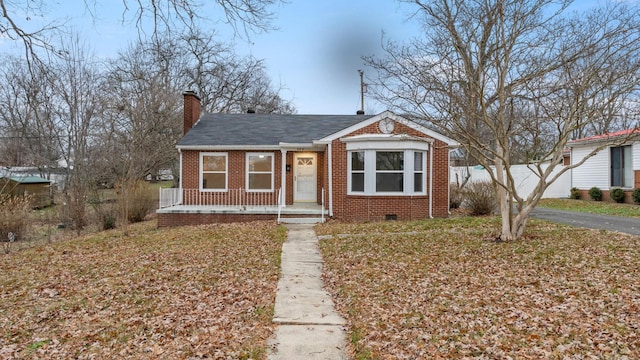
(113, 121)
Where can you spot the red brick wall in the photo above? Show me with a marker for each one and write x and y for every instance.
(191, 111)
(236, 169)
(606, 196)
(372, 208)
(177, 219)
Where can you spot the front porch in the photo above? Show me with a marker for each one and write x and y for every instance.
(183, 207)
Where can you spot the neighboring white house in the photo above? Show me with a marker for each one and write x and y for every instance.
(615, 166)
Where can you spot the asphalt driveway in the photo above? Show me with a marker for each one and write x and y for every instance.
(590, 221)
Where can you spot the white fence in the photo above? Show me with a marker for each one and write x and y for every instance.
(523, 176)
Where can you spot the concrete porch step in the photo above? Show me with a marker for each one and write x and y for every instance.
(300, 220)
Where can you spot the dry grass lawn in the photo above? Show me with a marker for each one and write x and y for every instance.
(190, 292)
(440, 289)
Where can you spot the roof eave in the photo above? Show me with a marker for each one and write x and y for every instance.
(227, 147)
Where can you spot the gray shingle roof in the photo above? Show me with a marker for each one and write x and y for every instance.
(265, 129)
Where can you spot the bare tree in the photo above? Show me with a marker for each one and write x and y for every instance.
(29, 136)
(226, 82)
(76, 82)
(492, 73)
(245, 16)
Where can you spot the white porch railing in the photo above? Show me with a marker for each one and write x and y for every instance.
(231, 197)
(170, 197)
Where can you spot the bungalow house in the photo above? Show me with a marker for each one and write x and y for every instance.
(240, 167)
(617, 165)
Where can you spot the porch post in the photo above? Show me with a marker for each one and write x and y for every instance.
(431, 180)
(283, 182)
(180, 179)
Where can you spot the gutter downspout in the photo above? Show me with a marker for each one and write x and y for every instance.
(449, 181)
(430, 181)
(330, 168)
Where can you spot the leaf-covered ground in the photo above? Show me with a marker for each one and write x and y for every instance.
(441, 289)
(178, 293)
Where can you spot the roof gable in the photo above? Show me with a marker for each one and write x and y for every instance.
(396, 118)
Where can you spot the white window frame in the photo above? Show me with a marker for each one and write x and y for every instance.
(272, 172)
(226, 171)
(351, 172)
(422, 172)
(626, 167)
(370, 172)
(376, 171)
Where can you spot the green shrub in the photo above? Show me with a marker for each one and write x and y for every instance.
(480, 198)
(636, 196)
(595, 193)
(617, 195)
(575, 193)
(109, 221)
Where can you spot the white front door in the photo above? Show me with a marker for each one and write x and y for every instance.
(304, 177)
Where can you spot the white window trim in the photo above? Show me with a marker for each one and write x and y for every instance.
(226, 171)
(376, 172)
(272, 172)
(630, 169)
(423, 172)
(370, 173)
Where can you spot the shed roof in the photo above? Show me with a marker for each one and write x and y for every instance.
(28, 179)
(265, 129)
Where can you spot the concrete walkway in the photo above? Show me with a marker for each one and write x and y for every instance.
(308, 325)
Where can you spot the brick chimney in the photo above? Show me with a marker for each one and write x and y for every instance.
(191, 109)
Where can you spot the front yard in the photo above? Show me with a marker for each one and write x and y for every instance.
(441, 289)
(435, 289)
(175, 293)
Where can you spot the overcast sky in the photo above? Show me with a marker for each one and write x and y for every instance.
(315, 54)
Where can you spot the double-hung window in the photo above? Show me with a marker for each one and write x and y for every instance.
(386, 172)
(418, 172)
(260, 171)
(357, 171)
(389, 171)
(213, 171)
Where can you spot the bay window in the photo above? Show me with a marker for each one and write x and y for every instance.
(386, 172)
